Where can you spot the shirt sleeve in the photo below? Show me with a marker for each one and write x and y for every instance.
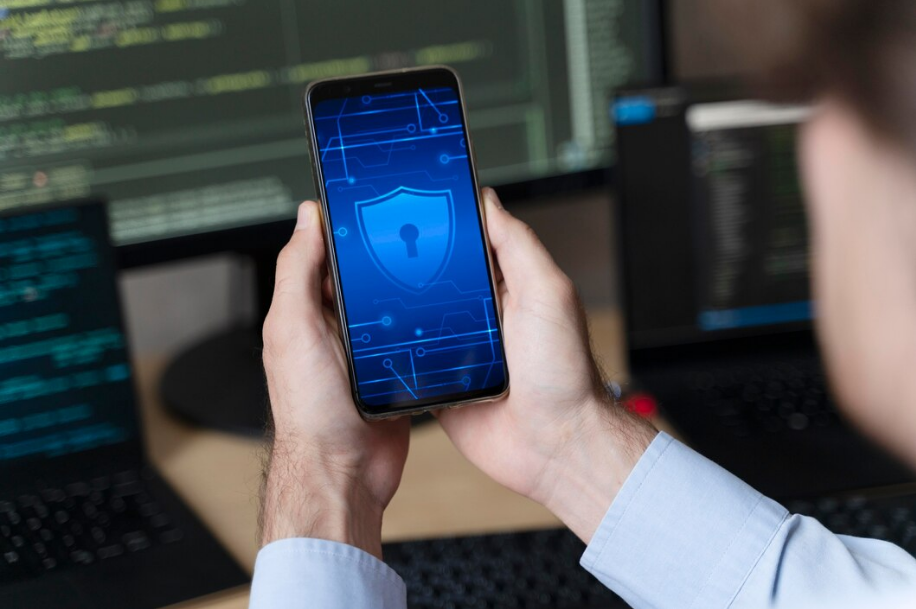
(684, 533)
(314, 573)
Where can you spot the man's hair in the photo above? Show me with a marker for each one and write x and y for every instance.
(861, 51)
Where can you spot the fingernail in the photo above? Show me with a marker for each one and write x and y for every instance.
(305, 215)
(494, 198)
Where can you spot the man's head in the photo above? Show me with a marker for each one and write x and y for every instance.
(857, 60)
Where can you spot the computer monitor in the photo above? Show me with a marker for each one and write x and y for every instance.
(717, 267)
(186, 114)
(67, 393)
(714, 224)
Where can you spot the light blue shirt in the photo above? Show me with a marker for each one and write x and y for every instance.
(682, 534)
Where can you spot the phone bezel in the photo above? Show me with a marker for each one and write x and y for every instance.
(394, 81)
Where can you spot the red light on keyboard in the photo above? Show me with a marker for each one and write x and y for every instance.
(642, 404)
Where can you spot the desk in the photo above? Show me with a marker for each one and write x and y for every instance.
(441, 493)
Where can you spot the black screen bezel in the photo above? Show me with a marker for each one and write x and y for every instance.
(394, 82)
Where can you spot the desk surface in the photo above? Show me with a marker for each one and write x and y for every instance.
(441, 494)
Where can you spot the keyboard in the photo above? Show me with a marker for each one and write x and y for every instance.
(540, 569)
(789, 397)
(516, 570)
(79, 524)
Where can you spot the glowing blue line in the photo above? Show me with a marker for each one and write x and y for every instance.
(486, 314)
(412, 394)
(393, 95)
(389, 379)
(457, 289)
(406, 139)
(395, 352)
(403, 173)
(457, 347)
(378, 395)
(438, 113)
(368, 133)
(342, 188)
(414, 370)
(343, 149)
(417, 342)
(435, 304)
(364, 113)
(416, 101)
(368, 323)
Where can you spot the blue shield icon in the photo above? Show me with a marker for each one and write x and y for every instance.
(409, 235)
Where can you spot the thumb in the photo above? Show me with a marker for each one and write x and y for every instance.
(300, 265)
(524, 261)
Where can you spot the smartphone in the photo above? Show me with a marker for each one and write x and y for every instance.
(407, 246)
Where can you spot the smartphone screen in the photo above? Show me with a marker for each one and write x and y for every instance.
(408, 242)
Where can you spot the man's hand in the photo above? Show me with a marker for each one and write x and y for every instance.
(331, 474)
(556, 438)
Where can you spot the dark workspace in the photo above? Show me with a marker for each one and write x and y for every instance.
(530, 304)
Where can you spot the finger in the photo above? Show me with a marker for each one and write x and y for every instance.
(297, 290)
(519, 253)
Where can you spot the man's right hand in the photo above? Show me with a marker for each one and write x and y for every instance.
(556, 438)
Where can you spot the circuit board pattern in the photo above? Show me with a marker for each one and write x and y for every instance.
(407, 235)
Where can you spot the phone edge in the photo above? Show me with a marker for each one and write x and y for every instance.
(331, 253)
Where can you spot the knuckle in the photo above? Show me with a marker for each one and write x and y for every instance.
(566, 290)
(270, 335)
(288, 255)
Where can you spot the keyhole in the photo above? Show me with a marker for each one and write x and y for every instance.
(409, 235)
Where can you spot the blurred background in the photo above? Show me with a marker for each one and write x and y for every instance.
(172, 305)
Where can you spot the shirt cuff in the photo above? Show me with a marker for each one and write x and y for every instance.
(682, 532)
(318, 573)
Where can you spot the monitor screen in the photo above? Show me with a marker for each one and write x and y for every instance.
(65, 378)
(715, 236)
(186, 114)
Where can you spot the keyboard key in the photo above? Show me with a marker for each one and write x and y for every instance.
(136, 541)
(149, 509)
(111, 551)
(82, 557)
(160, 521)
(90, 510)
(49, 563)
(798, 421)
(53, 495)
(101, 484)
(78, 489)
(171, 536)
(98, 535)
(126, 489)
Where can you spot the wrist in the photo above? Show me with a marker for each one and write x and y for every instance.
(587, 473)
(321, 505)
